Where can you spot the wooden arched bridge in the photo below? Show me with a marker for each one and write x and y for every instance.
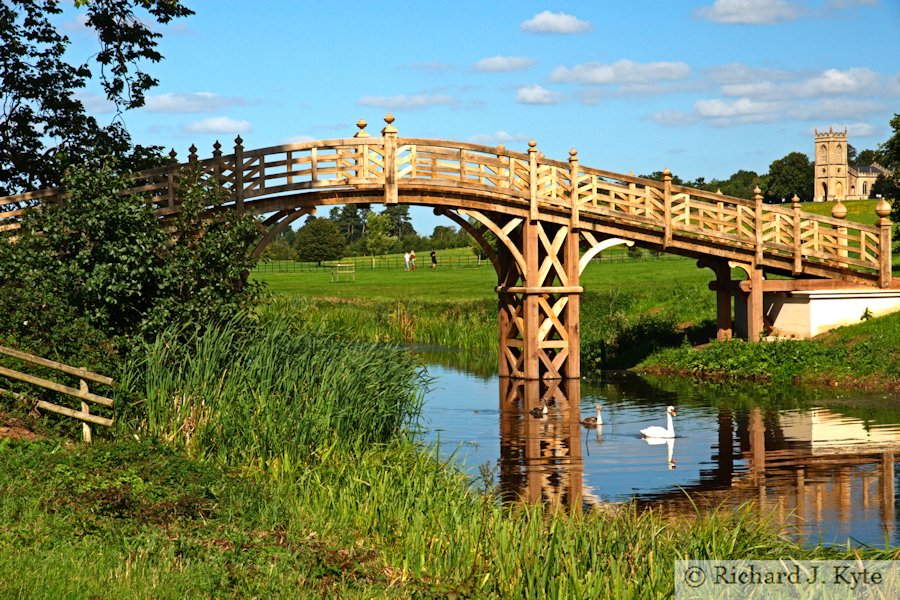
(550, 218)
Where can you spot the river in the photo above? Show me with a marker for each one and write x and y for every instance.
(822, 465)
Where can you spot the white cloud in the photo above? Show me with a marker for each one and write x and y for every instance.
(497, 64)
(859, 81)
(673, 118)
(551, 22)
(751, 12)
(498, 137)
(742, 107)
(95, 103)
(622, 72)
(407, 101)
(833, 81)
(225, 125)
(190, 102)
(861, 129)
(536, 94)
(298, 139)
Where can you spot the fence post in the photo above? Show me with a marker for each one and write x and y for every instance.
(758, 223)
(389, 133)
(573, 184)
(239, 174)
(532, 176)
(839, 211)
(667, 206)
(883, 210)
(798, 241)
(217, 156)
(85, 408)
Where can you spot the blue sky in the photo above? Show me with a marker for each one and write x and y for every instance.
(702, 87)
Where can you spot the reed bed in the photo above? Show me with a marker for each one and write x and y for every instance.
(269, 393)
(469, 326)
(437, 534)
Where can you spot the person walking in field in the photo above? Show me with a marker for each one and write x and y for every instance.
(433, 260)
(406, 261)
(412, 260)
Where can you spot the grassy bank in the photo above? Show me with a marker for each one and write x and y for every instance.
(632, 311)
(859, 356)
(624, 318)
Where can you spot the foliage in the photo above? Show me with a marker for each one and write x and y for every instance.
(889, 187)
(401, 222)
(318, 240)
(206, 264)
(793, 174)
(269, 393)
(280, 249)
(45, 127)
(98, 265)
(378, 233)
(390, 521)
(349, 220)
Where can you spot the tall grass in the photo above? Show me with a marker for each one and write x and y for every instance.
(270, 393)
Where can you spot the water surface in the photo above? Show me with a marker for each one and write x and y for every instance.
(825, 472)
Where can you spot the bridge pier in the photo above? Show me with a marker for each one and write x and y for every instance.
(538, 303)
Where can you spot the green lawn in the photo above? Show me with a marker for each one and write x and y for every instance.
(479, 283)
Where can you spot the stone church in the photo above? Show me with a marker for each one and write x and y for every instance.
(835, 179)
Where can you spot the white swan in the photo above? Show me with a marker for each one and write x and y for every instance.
(591, 422)
(658, 432)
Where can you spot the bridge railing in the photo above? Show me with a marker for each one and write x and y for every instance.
(582, 193)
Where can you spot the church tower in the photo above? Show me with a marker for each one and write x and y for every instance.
(832, 172)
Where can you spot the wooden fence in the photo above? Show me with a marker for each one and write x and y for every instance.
(82, 393)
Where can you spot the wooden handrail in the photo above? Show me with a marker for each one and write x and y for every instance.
(598, 197)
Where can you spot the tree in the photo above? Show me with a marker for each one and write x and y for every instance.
(318, 240)
(44, 125)
(889, 186)
(793, 174)
(865, 158)
(99, 266)
(401, 222)
(379, 239)
(349, 220)
(741, 184)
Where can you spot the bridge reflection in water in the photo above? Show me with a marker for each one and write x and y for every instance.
(818, 474)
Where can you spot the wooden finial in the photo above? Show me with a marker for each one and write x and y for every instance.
(795, 201)
(839, 211)
(501, 148)
(757, 192)
(883, 208)
(719, 191)
(192, 157)
(667, 174)
(238, 141)
(532, 146)
(389, 128)
(172, 155)
(573, 153)
(362, 133)
(217, 149)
